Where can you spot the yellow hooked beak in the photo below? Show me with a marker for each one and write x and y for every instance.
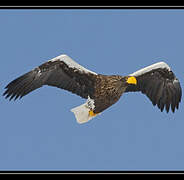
(131, 80)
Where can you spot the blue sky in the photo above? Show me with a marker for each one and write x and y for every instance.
(39, 132)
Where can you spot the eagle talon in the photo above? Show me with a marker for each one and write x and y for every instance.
(156, 81)
(91, 113)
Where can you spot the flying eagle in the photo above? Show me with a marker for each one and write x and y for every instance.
(156, 81)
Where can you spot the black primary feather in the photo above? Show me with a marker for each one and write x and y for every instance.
(161, 86)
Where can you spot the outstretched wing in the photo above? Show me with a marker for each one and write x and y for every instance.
(160, 84)
(61, 72)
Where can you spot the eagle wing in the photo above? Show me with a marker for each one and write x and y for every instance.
(160, 85)
(61, 72)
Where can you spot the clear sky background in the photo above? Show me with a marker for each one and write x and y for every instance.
(39, 132)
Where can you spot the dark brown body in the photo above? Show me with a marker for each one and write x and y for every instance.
(158, 83)
(108, 90)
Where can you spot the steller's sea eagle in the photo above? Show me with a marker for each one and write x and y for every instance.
(156, 81)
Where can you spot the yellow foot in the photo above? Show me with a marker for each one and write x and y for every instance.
(92, 114)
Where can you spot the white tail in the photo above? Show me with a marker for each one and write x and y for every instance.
(82, 112)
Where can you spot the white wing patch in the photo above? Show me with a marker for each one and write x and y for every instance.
(71, 63)
(81, 112)
(151, 67)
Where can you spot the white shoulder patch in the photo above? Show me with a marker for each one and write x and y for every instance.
(71, 63)
(150, 68)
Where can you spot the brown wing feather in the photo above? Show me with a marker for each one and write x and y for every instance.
(161, 86)
(53, 73)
